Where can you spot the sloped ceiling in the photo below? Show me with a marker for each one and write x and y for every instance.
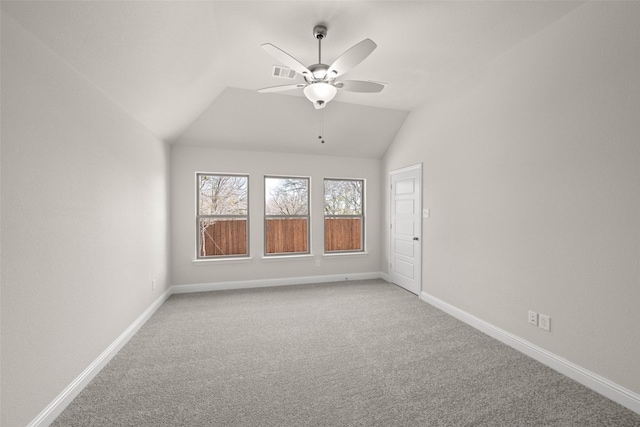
(159, 61)
(291, 124)
(188, 70)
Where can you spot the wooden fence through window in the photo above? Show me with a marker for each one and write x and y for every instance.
(342, 234)
(283, 235)
(224, 237)
(286, 235)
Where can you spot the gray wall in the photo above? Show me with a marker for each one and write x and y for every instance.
(186, 161)
(84, 224)
(532, 176)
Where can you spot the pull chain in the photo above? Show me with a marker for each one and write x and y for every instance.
(320, 32)
(321, 126)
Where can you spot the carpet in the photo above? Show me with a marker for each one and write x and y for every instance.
(361, 353)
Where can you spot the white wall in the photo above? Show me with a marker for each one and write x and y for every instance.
(186, 161)
(84, 224)
(532, 176)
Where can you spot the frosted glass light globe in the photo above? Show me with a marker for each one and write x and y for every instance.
(320, 92)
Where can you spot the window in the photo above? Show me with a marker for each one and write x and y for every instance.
(343, 215)
(222, 221)
(286, 220)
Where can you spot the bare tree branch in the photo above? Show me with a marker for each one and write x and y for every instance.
(343, 197)
(290, 196)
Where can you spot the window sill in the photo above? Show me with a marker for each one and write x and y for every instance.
(221, 260)
(342, 254)
(287, 257)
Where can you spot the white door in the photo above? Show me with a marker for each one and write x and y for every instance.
(405, 238)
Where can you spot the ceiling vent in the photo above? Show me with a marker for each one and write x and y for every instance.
(283, 72)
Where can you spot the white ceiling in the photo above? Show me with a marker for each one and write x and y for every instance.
(188, 70)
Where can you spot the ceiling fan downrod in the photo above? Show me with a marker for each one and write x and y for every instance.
(320, 32)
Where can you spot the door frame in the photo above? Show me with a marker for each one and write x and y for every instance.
(418, 265)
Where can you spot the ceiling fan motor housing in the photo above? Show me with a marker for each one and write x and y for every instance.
(319, 72)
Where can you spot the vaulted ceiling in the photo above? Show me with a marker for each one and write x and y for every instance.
(189, 70)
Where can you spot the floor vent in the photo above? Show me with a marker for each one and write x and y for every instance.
(283, 72)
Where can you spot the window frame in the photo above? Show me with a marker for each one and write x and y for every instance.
(199, 216)
(272, 216)
(328, 216)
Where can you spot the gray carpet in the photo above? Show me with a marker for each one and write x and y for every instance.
(363, 353)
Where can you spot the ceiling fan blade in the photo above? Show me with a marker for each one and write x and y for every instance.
(359, 86)
(281, 88)
(285, 59)
(351, 57)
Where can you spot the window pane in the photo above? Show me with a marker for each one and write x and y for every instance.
(222, 195)
(342, 234)
(222, 218)
(219, 237)
(286, 196)
(342, 197)
(286, 235)
(344, 215)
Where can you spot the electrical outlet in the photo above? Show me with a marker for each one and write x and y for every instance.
(317, 263)
(533, 318)
(545, 322)
(153, 285)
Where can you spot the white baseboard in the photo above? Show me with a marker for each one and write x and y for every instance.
(601, 385)
(244, 284)
(55, 408)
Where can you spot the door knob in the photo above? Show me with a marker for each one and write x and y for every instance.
(415, 238)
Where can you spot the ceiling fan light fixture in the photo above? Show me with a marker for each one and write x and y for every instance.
(320, 91)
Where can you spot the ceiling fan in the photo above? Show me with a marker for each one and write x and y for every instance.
(320, 84)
